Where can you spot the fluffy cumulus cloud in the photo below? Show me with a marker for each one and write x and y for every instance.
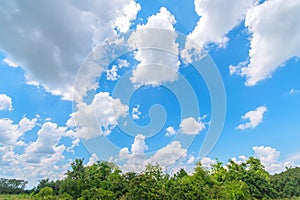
(10, 132)
(93, 159)
(135, 158)
(239, 159)
(190, 126)
(156, 66)
(217, 18)
(255, 117)
(206, 162)
(42, 157)
(11, 136)
(275, 28)
(51, 47)
(168, 155)
(269, 158)
(5, 102)
(97, 118)
(46, 144)
(139, 146)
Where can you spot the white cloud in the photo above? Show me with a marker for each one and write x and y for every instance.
(236, 69)
(139, 146)
(55, 56)
(269, 158)
(46, 144)
(75, 143)
(168, 155)
(135, 113)
(217, 18)
(111, 74)
(10, 63)
(49, 166)
(206, 162)
(191, 160)
(170, 131)
(97, 118)
(274, 26)
(255, 117)
(43, 158)
(155, 66)
(123, 63)
(294, 91)
(295, 157)
(133, 160)
(93, 159)
(240, 159)
(136, 159)
(10, 132)
(5, 102)
(11, 137)
(190, 126)
(129, 12)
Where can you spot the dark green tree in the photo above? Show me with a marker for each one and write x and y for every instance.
(12, 186)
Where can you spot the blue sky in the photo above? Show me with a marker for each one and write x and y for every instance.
(99, 81)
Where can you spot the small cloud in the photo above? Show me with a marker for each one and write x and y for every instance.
(191, 126)
(93, 159)
(123, 63)
(240, 159)
(255, 117)
(10, 63)
(75, 143)
(207, 162)
(135, 113)
(295, 157)
(5, 102)
(170, 131)
(191, 160)
(111, 74)
(238, 69)
(294, 91)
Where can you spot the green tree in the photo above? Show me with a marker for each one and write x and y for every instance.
(46, 193)
(12, 186)
(287, 183)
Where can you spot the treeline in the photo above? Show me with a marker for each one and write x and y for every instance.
(12, 186)
(104, 180)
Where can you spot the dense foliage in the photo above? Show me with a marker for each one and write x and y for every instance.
(104, 180)
(12, 186)
(287, 183)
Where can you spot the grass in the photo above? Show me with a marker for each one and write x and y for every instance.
(14, 197)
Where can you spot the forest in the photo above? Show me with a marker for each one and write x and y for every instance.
(104, 180)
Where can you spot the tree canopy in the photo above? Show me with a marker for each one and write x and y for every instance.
(104, 180)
